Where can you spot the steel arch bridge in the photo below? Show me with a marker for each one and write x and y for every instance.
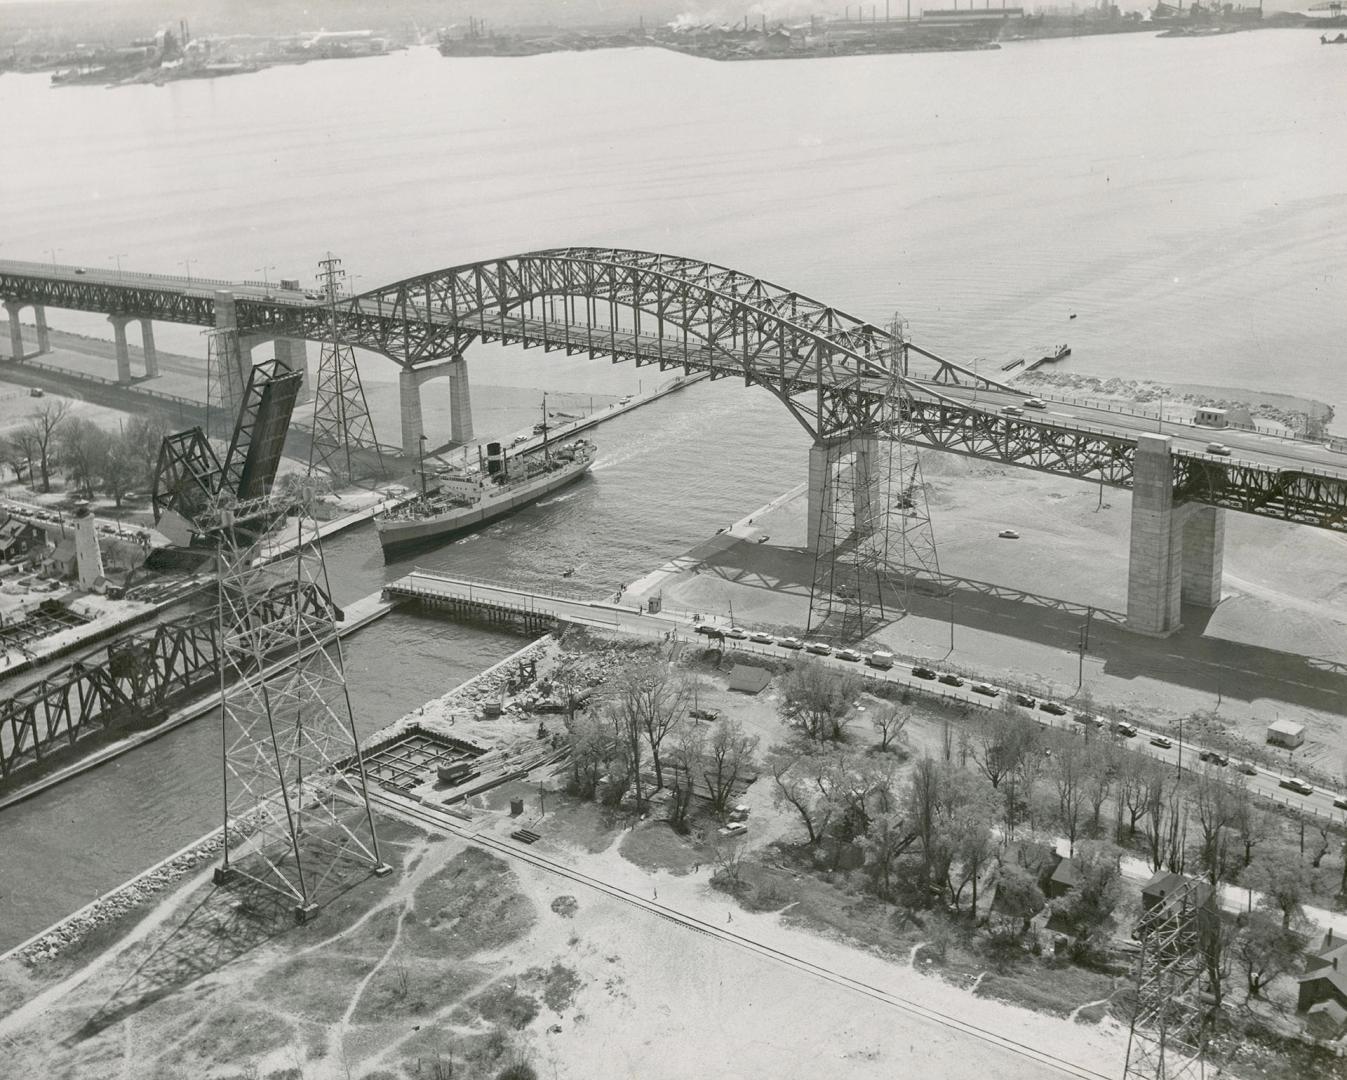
(837, 374)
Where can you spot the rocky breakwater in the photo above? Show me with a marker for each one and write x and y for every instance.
(122, 901)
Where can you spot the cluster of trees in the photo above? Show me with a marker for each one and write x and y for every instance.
(92, 458)
(641, 731)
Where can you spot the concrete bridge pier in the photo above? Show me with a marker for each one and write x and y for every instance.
(12, 310)
(460, 403)
(829, 462)
(1177, 549)
(147, 346)
(293, 353)
(123, 353)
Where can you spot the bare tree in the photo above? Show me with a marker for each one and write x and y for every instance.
(653, 698)
(1100, 770)
(1003, 739)
(1068, 775)
(890, 837)
(38, 434)
(1217, 806)
(591, 751)
(807, 784)
(1134, 784)
(143, 437)
(686, 759)
(1284, 880)
(817, 700)
(729, 753)
(889, 721)
(1265, 949)
(84, 449)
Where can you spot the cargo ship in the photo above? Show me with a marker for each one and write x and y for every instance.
(462, 500)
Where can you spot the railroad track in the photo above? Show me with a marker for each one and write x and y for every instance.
(421, 815)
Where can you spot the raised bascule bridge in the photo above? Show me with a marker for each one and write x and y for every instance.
(848, 382)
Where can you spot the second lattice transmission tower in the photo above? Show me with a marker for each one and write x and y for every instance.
(343, 433)
(874, 535)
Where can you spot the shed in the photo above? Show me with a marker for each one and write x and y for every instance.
(1211, 418)
(1286, 733)
(748, 679)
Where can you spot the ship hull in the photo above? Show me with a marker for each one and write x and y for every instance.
(403, 536)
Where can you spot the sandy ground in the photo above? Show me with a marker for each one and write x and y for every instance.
(652, 999)
(1275, 646)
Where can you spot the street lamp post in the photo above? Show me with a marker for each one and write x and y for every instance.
(266, 280)
(117, 257)
(186, 264)
(52, 252)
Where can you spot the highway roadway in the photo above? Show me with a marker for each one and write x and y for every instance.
(1246, 447)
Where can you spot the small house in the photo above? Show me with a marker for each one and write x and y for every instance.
(63, 562)
(748, 679)
(1286, 733)
(1325, 980)
(21, 540)
(1213, 418)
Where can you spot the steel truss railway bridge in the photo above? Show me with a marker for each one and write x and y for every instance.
(838, 375)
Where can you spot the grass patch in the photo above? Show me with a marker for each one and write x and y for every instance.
(469, 906)
(653, 845)
(232, 1033)
(416, 988)
(1057, 989)
(316, 987)
(502, 1003)
(583, 825)
(560, 986)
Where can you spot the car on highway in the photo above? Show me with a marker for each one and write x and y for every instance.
(950, 680)
(709, 715)
(79, 270)
(736, 633)
(881, 659)
(923, 673)
(1123, 728)
(1025, 700)
(818, 648)
(1340, 801)
(1219, 449)
(1035, 403)
(706, 628)
(1053, 708)
(849, 655)
(762, 637)
(1012, 410)
(1008, 534)
(1161, 742)
(1214, 757)
(985, 690)
(1294, 783)
(1248, 768)
(790, 643)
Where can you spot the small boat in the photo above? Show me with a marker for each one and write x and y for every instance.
(1341, 39)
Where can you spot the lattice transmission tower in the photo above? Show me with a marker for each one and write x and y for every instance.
(297, 813)
(341, 421)
(1166, 1040)
(874, 527)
